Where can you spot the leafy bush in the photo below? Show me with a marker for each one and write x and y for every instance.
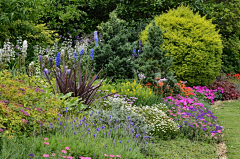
(114, 51)
(230, 90)
(19, 18)
(24, 107)
(193, 42)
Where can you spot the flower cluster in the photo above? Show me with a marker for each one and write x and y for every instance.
(236, 75)
(192, 115)
(209, 93)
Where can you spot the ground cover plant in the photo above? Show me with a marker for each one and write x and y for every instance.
(50, 108)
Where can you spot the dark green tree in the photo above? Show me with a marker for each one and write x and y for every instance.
(153, 60)
(114, 51)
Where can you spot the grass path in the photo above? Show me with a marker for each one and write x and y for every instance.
(228, 114)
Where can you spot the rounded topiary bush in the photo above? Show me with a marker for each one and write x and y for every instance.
(193, 42)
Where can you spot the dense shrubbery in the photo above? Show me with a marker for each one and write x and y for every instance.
(226, 14)
(193, 42)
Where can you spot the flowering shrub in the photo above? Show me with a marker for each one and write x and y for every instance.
(194, 119)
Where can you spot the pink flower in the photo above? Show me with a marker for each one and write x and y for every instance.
(70, 157)
(203, 125)
(85, 157)
(212, 134)
(219, 131)
(215, 137)
(64, 151)
(45, 155)
(118, 156)
(112, 155)
(45, 138)
(46, 143)
(67, 148)
(105, 155)
(64, 156)
(196, 124)
(53, 154)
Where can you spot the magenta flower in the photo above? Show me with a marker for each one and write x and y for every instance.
(45, 155)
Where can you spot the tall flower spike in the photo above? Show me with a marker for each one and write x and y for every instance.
(58, 60)
(91, 54)
(96, 38)
(51, 62)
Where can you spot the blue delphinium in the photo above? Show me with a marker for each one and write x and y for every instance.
(58, 60)
(81, 52)
(75, 56)
(91, 54)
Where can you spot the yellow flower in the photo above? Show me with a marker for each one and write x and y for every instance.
(113, 91)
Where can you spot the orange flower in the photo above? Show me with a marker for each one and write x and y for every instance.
(160, 84)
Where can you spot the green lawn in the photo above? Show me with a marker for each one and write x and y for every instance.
(185, 149)
(228, 114)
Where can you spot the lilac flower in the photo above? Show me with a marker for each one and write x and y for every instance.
(32, 155)
(51, 62)
(40, 60)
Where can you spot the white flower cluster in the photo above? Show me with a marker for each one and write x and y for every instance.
(155, 118)
(7, 52)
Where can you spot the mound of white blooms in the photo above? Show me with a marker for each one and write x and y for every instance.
(156, 119)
